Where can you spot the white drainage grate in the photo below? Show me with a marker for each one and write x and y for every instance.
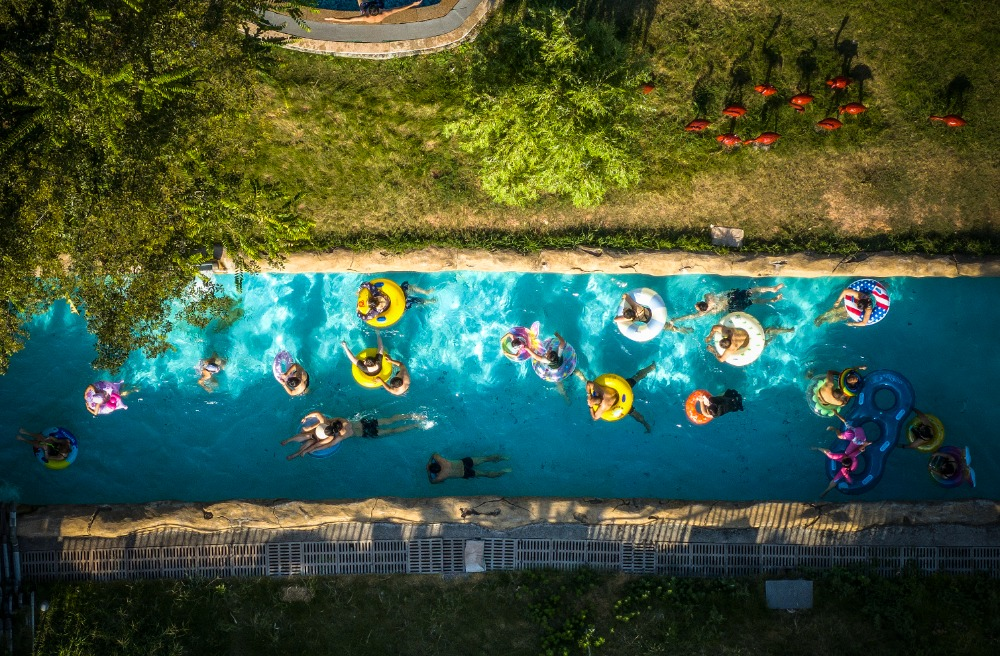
(447, 556)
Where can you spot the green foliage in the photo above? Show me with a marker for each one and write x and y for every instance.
(123, 164)
(553, 108)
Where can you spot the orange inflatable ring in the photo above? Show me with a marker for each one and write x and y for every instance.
(696, 416)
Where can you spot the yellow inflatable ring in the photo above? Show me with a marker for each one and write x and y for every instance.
(936, 426)
(371, 381)
(397, 303)
(620, 385)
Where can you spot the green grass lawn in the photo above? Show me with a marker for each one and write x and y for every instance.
(364, 139)
(545, 612)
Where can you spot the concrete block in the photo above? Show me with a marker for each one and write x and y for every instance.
(789, 594)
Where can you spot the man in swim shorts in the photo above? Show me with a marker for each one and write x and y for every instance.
(730, 401)
(208, 368)
(399, 384)
(839, 312)
(600, 399)
(440, 469)
(633, 312)
(371, 365)
(372, 11)
(734, 300)
(734, 339)
(411, 300)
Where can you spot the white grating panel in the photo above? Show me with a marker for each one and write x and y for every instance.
(604, 554)
(568, 554)
(500, 553)
(425, 557)
(284, 558)
(40, 565)
(390, 557)
(107, 564)
(778, 557)
(248, 559)
(452, 556)
(708, 559)
(178, 561)
(673, 558)
(638, 558)
(320, 558)
(815, 557)
(743, 559)
(533, 554)
(143, 563)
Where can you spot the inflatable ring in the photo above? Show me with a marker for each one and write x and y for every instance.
(880, 301)
(694, 415)
(367, 380)
(848, 389)
(528, 336)
(936, 426)
(327, 452)
(754, 346)
(624, 390)
(958, 477)
(282, 363)
(563, 371)
(818, 406)
(643, 332)
(397, 303)
(60, 434)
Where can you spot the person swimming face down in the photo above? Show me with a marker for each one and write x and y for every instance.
(335, 428)
(701, 306)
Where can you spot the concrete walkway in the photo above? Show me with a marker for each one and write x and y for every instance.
(383, 41)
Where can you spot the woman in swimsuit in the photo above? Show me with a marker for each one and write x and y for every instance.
(208, 368)
(839, 311)
(54, 448)
(322, 433)
(371, 365)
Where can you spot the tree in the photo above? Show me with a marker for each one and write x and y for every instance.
(124, 132)
(553, 108)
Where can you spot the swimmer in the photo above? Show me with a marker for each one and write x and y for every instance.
(208, 368)
(411, 300)
(730, 401)
(372, 365)
(53, 448)
(104, 397)
(377, 300)
(922, 432)
(322, 433)
(830, 393)
(635, 313)
(439, 468)
(295, 380)
(553, 358)
(856, 436)
(735, 339)
(399, 383)
(600, 399)
(848, 463)
(839, 312)
(945, 466)
(734, 300)
(372, 12)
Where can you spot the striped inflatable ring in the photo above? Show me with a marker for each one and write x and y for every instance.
(880, 300)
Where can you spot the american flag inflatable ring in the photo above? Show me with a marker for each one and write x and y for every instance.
(880, 300)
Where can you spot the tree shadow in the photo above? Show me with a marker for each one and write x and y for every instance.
(808, 66)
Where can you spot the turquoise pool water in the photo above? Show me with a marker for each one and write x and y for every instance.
(177, 442)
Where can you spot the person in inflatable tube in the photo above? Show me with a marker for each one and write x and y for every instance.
(207, 369)
(733, 300)
(702, 408)
(371, 365)
(838, 313)
(951, 466)
(373, 11)
(104, 397)
(600, 398)
(848, 461)
(633, 312)
(53, 448)
(292, 376)
(922, 432)
(832, 392)
(734, 339)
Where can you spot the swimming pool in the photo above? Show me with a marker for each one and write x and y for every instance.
(352, 5)
(177, 442)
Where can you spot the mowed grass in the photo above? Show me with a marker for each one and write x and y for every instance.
(363, 139)
(532, 612)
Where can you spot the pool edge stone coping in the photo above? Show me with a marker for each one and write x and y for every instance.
(825, 521)
(654, 263)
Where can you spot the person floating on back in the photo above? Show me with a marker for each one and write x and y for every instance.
(440, 469)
